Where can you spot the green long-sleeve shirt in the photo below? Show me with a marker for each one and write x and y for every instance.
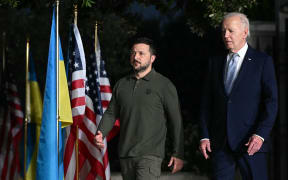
(146, 108)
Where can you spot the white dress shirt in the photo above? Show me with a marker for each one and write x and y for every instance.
(241, 54)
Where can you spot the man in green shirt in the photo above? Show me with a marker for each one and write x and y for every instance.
(147, 104)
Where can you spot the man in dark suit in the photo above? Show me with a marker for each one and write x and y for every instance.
(239, 105)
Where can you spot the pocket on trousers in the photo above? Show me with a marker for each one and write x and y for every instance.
(155, 171)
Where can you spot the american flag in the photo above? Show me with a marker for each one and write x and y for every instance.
(11, 132)
(99, 168)
(104, 89)
(77, 76)
(77, 67)
(93, 163)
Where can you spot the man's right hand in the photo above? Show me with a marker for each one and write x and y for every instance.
(204, 147)
(99, 140)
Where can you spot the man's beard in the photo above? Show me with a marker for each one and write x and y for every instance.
(142, 68)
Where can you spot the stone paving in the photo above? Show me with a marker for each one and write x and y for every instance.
(168, 176)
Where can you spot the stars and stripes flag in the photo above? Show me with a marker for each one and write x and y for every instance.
(11, 132)
(99, 91)
(76, 78)
(98, 95)
(104, 89)
(93, 163)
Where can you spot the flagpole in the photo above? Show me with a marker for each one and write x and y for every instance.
(75, 14)
(96, 36)
(95, 43)
(27, 105)
(57, 76)
(77, 127)
(3, 55)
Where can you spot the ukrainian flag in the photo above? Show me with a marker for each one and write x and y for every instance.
(33, 132)
(48, 167)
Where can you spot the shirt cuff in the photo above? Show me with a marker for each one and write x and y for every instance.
(204, 139)
(259, 137)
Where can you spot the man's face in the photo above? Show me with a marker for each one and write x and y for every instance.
(234, 33)
(141, 58)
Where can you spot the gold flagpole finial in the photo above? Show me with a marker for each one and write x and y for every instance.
(27, 80)
(75, 14)
(96, 36)
(27, 109)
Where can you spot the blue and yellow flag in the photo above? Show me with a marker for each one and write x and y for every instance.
(33, 132)
(49, 167)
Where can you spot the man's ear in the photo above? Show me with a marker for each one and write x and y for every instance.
(153, 57)
(246, 33)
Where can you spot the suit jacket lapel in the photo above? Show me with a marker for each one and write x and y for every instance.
(244, 69)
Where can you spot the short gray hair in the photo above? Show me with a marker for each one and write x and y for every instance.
(243, 18)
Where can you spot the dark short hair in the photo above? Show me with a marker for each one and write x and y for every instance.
(147, 41)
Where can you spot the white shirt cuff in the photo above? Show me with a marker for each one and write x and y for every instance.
(259, 137)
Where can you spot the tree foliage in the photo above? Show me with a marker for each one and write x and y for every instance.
(204, 14)
(201, 14)
(10, 3)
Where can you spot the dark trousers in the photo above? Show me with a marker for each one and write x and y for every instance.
(141, 168)
(225, 161)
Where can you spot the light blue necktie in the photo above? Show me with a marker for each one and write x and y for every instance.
(231, 72)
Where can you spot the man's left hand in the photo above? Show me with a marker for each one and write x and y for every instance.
(254, 144)
(176, 163)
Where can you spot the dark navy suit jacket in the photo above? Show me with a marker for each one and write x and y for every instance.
(250, 108)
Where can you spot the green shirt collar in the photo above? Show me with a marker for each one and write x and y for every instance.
(147, 77)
